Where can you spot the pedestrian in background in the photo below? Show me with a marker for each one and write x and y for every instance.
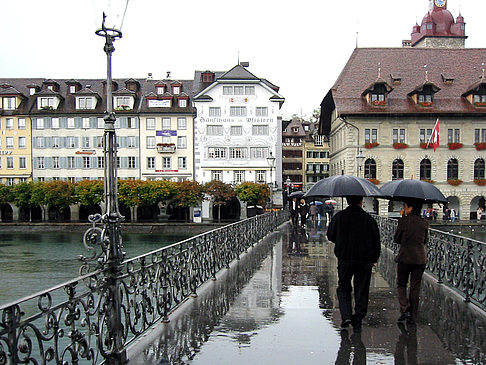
(303, 212)
(313, 210)
(411, 234)
(357, 247)
(294, 211)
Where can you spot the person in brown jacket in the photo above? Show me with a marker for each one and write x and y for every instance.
(411, 235)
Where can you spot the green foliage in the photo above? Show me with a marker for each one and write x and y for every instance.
(253, 193)
(22, 194)
(157, 191)
(129, 192)
(53, 193)
(89, 192)
(6, 193)
(219, 192)
(189, 194)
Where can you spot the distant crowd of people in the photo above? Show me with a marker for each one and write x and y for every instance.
(300, 211)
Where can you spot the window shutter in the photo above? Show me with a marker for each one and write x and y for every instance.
(78, 122)
(124, 162)
(76, 142)
(63, 162)
(48, 162)
(93, 122)
(62, 122)
(78, 162)
(137, 162)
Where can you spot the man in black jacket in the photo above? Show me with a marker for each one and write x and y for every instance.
(357, 248)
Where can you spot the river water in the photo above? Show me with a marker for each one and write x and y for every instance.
(33, 261)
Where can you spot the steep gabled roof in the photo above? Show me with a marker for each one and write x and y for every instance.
(238, 73)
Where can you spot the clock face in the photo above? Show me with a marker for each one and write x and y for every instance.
(440, 3)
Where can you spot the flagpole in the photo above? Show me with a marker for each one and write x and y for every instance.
(432, 134)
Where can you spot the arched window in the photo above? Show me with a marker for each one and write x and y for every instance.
(370, 169)
(425, 169)
(479, 169)
(452, 169)
(397, 169)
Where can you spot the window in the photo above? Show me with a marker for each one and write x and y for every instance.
(86, 162)
(10, 142)
(370, 169)
(182, 163)
(398, 135)
(238, 111)
(238, 176)
(55, 162)
(70, 123)
(397, 169)
(260, 130)
(236, 130)
(21, 123)
(425, 135)
(41, 179)
(261, 111)
(55, 123)
(85, 123)
(160, 90)
(227, 90)
(70, 142)
(260, 176)
(238, 90)
(452, 169)
(258, 152)
(166, 139)
(479, 98)
(479, 135)
(40, 162)
(131, 141)
(85, 142)
(214, 130)
(166, 123)
(131, 122)
(9, 123)
(10, 181)
(9, 103)
(453, 136)
(101, 162)
(131, 162)
(318, 140)
(182, 142)
(217, 152)
(22, 163)
(22, 179)
(425, 169)
(166, 165)
(150, 123)
(70, 162)
(181, 124)
(424, 98)
(40, 123)
(99, 141)
(150, 142)
(238, 152)
(182, 103)
(176, 90)
(72, 89)
(10, 162)
(479, 167)
(249, 90)
(46, 103)
(217, 175)
(22, 142)
(122, 102)
(84, 102)
(150, 162)
(101, 123)
(371, 135)
(214, 111)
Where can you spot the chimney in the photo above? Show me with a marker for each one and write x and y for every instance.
(245, 64)
(149, 76)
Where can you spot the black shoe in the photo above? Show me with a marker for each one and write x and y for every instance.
(405, 316)
(345, 323)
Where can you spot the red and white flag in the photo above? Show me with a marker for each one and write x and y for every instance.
(434, 137)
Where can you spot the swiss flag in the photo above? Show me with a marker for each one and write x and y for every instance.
(435, 135)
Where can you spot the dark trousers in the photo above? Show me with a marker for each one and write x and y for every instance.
(360, 274)
(409, 303)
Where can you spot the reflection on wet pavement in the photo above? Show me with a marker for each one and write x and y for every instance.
(277, 305)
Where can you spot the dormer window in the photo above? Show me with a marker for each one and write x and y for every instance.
(424, 94)
(72, 89)
(47, 103)
(85, 102)
(424, 98)
(160, 90)
(479, 99)
(376, 94)
(176, 89)
(123, 102)
(182, 103)
(32, 90)
(9, 103)
(50, 87)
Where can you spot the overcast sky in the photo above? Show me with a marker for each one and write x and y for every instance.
(300, 46)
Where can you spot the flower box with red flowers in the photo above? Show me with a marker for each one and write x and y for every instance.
(425, 103)
(378, 103)
(480, 104)
(429, 181)
(455, 146)
(480, 146)
(399, 145)
(369, 145)
(425, 145)
(374, 181)
(480, 182)
(454, 182)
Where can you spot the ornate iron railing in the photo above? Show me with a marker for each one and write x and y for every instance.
(456, 261)
(72, 322)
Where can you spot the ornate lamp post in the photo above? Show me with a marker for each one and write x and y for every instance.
(271, 163)
(359, 158)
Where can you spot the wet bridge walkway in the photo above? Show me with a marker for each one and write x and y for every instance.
(277, 305)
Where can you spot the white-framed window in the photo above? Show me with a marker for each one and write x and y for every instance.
(9, 103)
(123, 102)
(132, 122)
(261, 176)
(166, 139)
(22, 142)
(86, 162)
(318, 140)
(150, 162)
(22, 179)
(227, 90)
(217, 175)
(70, 142)
(72, 89)
(85, 102)
(70, 123)
(182, 163)
(99, 141)
(21, 122)
(70, 162)
(181, 142)
(85, 123)
(181, 124)
(55, 142)
(150, 142)
(238, 90)
(40, 162)
(238, 111)
(249, 90)
(214, 130)
(259, 130)
(55, 123)
(55, 162)
(166, 124)
(101, 162)
(160, 90)
(131, 142)
(9, 142)
(40, 123)
(10, 181)
(182, 103)
(166, 163)
(214, 111)
(261, 111)
(40, 142)
(71, 179)
(150, 124)
(22, 163)
(398, 135)
(85, 141)
(132, 162)
(10, 162)
(55, 178)
(258, 152)
(176, 90)
(40, 179)
(238, 176)
(371, 135)
(9, 123)
(217, 152)
(46, 102)
(238, 152)
(236, 130)
(101, 123)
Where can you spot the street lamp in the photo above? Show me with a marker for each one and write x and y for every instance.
(288, 182)
(359, 157)
(271, 163)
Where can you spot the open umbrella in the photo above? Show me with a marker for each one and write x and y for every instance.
(317, 203)
(343, 185)
(417, 189)
(330, 201)
(296, 194)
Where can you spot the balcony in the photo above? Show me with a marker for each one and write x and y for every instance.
(166, 147)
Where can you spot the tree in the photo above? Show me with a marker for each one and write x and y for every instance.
(219, 193)
(89, 192)
(22, 194)
(55, 193)
(6, 194)
(253, 193)
(189, 194)
(129, 192)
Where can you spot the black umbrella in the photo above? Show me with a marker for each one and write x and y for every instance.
(344, 185)
(417, 189)
(296, 194)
